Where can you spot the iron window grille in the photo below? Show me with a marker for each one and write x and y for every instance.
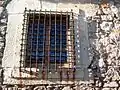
(48, 38)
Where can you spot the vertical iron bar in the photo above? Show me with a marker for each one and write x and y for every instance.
(60, 45)
(38, 27)
(67, 43)
(43, 61)
(26, 39)
(31, 42)
(55, 43)
(48, 61)
(21, 56)
(67, 75)
(49, 38)
(73, 45)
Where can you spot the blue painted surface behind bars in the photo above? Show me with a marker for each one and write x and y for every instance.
(37, 32)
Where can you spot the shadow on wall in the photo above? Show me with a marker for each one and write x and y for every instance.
(81, 1)
(73, 1)
(81, 39)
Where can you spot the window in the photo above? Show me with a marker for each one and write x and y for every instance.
(48, 43)
(46, 38)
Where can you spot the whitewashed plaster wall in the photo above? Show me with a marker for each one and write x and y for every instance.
(16, 8)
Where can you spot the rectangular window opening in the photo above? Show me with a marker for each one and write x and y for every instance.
(46, 39)
(48, 44)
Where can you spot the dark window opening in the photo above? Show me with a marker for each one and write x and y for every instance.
(47, 38)
(48, 45)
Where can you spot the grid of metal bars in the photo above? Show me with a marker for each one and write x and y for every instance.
(48, 27)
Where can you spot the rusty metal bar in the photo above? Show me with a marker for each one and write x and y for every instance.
(55, 43)
(38, 27)
(73, 32)
(43, 61)
(53, 12)
(31, 41)
(68, 75)
(26, 35)
(60, 46)
(48, 41)
(22, 46)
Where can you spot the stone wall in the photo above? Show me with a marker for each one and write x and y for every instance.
(103, 43)
(11, 58)
(3, 28)
(105, 46)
